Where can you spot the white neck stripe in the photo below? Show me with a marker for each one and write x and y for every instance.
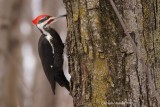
(49, 38)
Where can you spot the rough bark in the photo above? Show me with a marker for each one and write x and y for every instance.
(107, 66)
(10, 54)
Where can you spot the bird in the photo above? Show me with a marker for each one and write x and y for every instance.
(51, 50)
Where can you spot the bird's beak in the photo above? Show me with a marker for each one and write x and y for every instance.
(50, 20)
(54, 19)
(60, 16)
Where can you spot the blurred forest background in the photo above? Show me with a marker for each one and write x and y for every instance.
(22, 80)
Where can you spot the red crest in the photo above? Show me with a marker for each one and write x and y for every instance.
(36, 20)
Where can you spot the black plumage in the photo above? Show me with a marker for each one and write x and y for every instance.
(53, 62)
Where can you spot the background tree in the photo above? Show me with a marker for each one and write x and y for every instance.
(114, 54)
(22, 80)
(10, 54)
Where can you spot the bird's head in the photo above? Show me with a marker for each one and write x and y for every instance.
(43, 21)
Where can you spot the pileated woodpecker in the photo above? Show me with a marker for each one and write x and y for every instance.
(50, 48)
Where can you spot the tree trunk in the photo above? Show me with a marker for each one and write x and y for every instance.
(112, 62)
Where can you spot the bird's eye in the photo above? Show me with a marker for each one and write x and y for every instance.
(46, 18)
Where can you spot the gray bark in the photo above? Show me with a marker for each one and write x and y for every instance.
(110, 63)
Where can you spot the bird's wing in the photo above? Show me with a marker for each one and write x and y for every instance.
(59, 73)
(52, 64)
(47, 59)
